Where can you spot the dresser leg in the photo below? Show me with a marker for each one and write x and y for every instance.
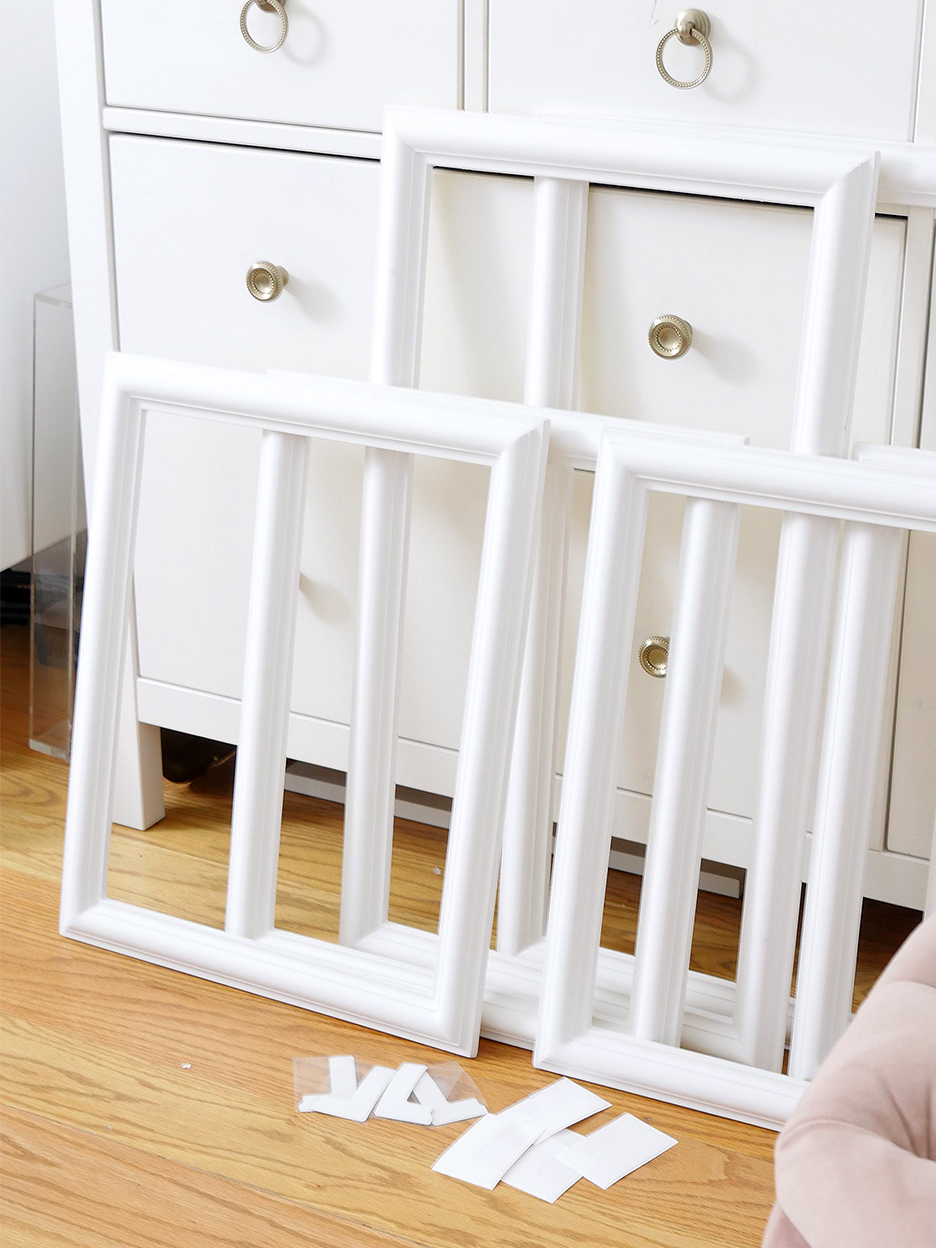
(138, 782)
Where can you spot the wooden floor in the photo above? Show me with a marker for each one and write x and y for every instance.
(142, 1107)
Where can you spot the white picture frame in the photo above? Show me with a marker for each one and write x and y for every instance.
(631, 1040)
(437, 1003)
(563, 157)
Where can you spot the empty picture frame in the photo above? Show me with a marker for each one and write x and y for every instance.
(563, 157)
(438, 1003)
(635, 1044)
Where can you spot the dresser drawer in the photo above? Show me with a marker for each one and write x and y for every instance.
(736, 272)
(190, 219)
(829, 68)
(339, 64)
(912, 810)
(911, 826)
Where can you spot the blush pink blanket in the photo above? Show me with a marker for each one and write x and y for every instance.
(856, 1163)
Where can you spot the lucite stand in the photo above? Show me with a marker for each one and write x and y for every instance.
(58, 525)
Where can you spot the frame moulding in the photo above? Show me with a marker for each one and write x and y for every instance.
(879, 494)
(563, 158)
(440, 1003)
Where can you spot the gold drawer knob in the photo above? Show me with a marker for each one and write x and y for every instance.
(266, 281)
(654, 654)
(670, 337)
(691, 26)
(268, 6)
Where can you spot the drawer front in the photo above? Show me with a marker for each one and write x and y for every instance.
(911, 824)
(190, 219)
(805, 66)
(339, 64)
(736, 272)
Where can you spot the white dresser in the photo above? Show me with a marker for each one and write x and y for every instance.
(191, 155)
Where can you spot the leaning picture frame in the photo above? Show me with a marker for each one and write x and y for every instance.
(564, 157)
(438, 1003)
(641, 1040)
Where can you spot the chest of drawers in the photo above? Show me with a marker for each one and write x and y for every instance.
(190, 155)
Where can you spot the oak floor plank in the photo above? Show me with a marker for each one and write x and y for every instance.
(62, 1186)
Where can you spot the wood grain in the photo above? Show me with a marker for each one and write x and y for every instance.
(70, 1187)
(146, 1107)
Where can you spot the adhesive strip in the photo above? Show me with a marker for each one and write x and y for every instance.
(556, 1106)
(395, 1102)
(342, 1074)
(540, 1172)
(356, 1108)
(621, 1147)
(487, 1150)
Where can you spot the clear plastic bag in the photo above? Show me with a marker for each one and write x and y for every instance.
(434, 1096)
(459, 1090)
(343, 1087)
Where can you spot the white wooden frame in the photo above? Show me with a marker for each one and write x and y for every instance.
(439, 1003)
(636, 1047)
(563, 158)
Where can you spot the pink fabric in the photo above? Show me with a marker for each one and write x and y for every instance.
(856, 1163)
(781, 1233)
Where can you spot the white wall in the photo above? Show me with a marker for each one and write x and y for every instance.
(33, 246)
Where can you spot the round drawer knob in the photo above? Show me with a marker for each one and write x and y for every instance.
(265, 281)
(670, 337)
(268, 6)
(691, 26)
(654, 654)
